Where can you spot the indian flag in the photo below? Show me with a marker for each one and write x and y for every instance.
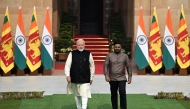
(6, 50)
(182, 42)
(141, 50)
(169, 44)
(33, 49)
(47, 44)
(20, 43)
(155, 52)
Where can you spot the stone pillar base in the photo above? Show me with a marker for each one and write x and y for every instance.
(47, 72)
(169, 72)
(20, 72)
(142, 72)
(6, 74)
(34, 73)
(155, 73)
(183, 72)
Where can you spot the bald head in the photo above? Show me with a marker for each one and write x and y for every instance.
(80, 44)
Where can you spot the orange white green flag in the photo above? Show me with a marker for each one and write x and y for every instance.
(169, 44)
(155, 52)
(6, 49)
(182, 42)
(141, 56)
(47, 43)
(33, 48)
(20, 43)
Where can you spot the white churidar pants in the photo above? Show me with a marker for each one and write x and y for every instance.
(81, 102)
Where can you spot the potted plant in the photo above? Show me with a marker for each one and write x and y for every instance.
(63, 54)
(62, 48)
(64, 43)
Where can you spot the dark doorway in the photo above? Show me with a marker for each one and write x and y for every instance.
(91, 17)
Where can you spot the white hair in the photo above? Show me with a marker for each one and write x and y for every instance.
(80, 40)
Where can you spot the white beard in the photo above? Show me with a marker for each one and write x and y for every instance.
(81, 49)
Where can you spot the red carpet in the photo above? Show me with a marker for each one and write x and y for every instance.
(98, 45)
(59, 66)
(98, 67)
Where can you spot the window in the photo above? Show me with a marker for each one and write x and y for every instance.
(107, 11)
(75, 3)
(106, 5)
(75, 11)
(76, 25)
(106, 18)
(109, 7)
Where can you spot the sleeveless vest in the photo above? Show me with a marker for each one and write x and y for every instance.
(80, 70)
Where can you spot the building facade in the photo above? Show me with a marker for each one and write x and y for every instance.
(128, 8)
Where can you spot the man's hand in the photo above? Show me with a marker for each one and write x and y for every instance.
(90, 82)
(108, 79)
(68, 79)
(129, 81)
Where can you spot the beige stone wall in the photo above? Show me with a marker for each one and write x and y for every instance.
(130, 12)
(27, 12)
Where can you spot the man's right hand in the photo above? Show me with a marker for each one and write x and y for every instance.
(68, 79)
(108, 79)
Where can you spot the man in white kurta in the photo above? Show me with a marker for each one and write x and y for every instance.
(80, 90)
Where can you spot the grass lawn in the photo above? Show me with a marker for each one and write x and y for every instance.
(98, 101)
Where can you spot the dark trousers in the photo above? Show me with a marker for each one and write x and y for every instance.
(114, 86)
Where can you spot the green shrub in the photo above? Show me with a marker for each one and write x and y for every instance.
(66, 34)
(117, 33)
(170, 95)
(20, 95)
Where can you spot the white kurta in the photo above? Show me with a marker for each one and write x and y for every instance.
(79, 89)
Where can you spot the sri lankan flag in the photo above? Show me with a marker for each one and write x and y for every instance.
(155, 52)
(7, 62)
(182, 42)
(33, 48)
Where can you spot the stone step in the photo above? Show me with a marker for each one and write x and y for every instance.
(98, 45)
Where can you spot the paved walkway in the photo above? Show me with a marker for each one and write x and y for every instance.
(150, 85)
